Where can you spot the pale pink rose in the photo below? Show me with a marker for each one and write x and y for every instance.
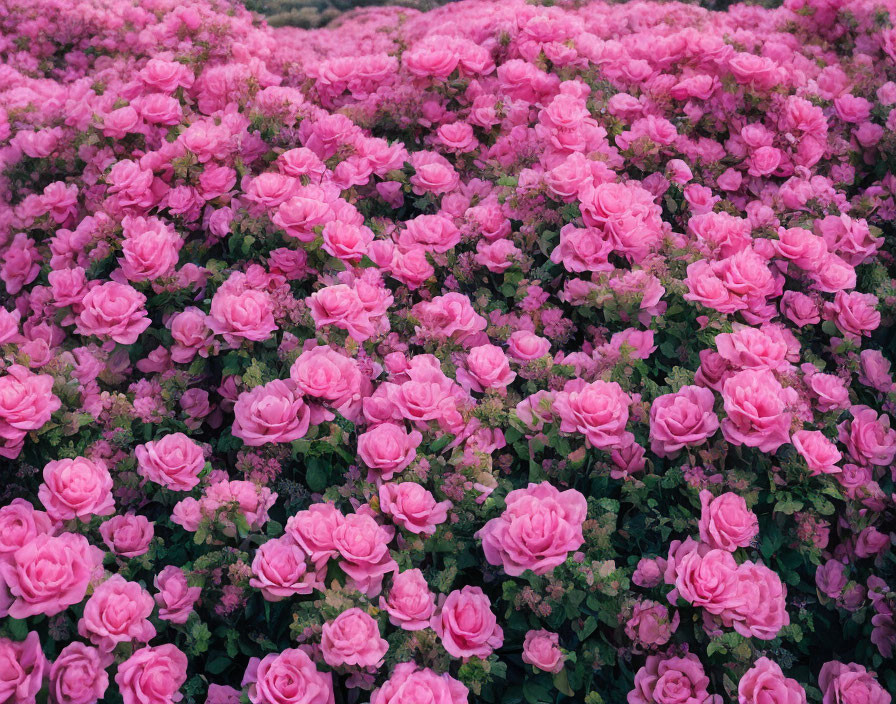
(755, 403)
(449, 317)
(117, 612)
(759, 608)
(113, 311)
(410, 684)
(726, 522)
(20, 523)
(152, 675)
(388, 448)
(650, 625)
(683, 418)
(251, 500)
(363, 546)
(78, 675)
(820, 453)
(541, 649)
(868, 438)
(850, 684)
(599, 411)
(524, 346)
(23, 668)
(47, 575)
(241, 316)
(76, 488)
(353, 638)
(709, 581)
(280, 570)
(175, 597)
(289, 677)
(537, 531)
(765, 683)
(466, 625)
(272, 413)
(314, 530)
(410, 603)
(412, 507)
(127, 535)
(346, 241)
(27, 402)
(665, 680)
(174, 461)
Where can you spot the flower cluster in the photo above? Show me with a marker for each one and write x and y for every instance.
(507, 352)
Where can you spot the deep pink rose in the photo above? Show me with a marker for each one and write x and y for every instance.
(175, 597)
(725, 521)
(665, 680)
(78, 675)
(683, 418)
(289, 677)
(412, 507)
(353, 638)
(113, 311)
(466, 625)
(76, 488)
(541, 649)
(127, 535)
(410, 684)
(117, 612)
(23, 668)
(152, 675)
(410, 603)
(174, 461)
(280, 569)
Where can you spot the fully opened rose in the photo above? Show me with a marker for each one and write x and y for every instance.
(486, 352)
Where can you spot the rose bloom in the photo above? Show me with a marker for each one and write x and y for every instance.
(388, 448)
(538, 529)
(222, 694)
(191, 335)
(664, 680)
(709, 580)
(413, 507)
(20, 523)
(27, 402)
(113, 311)
(23, 667)
(324, 374)
(271, 413)
(759, 608)
(78, 675)
(650, 625)
(76, 488)
(289, 677)
(410, 684)
(466, 625)
(128, 535)
(855, 313)
(279, 570)
(152, 675)
(410, 603)
(648, 573)
(314, 530)
(117, 612)
(241, 316)
(869, 439)
(765, 683)
(363, 545)
(541, 649)
(820, 453)
(725, 521)
(47, 575)
(486, 368)
(524, 346)
(755, 403)
(850, 684)
(353, 638)
(175, 597)
(599, 411)
(174, 461)
(683, 418)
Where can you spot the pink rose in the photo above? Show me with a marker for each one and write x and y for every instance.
(599, 411)
(855, 313)
(388, 448)
(113, 311)
(537, 531)
(583, 249)
(150, 249)
(353, 638)
(759, 607)
(117, 612)
(765, 683)
(648, 573)
(410, 603)
(524, 346)
(272, 413)
(152, 675)
(191, 335)
(27, 402)
(23, 667)
(410, 684)
(280, 570)
(850, 684)
(222, 694)
(47, 575)
(800, 309)
(314, 530)
(541, 649)
(650, 625)
(289, 677)
(869, 439)
(127, 535)
(466, 625)
(241, 316)
(820, 453)
(725, 521)
(78, 676)
(665, 680)
(363, 546)
(175, 597)
(323, 373)
(497, 256)
(755, 403)
(413, 507)
(174, 461)
(683, 418)
(76, 488)
(20, 523)
(830, 578)
(708, 581)
(486, 368)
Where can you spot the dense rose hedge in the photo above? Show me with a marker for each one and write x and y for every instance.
(502, 353)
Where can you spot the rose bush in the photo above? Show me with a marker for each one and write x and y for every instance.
(510, 352)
